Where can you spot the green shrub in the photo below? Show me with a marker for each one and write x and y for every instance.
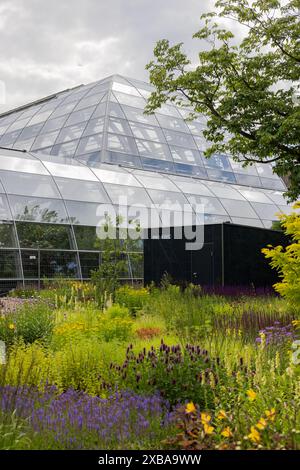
(133, 299)
(13, 432)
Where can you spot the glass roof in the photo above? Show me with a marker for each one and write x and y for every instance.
(104, 122)
(42, 188)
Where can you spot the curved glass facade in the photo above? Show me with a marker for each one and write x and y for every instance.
(92, 147)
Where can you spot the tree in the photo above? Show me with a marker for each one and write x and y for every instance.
(287, 261)
(248, 91)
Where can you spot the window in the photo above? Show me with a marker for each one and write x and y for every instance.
(119, 126)
(157, 165)
(80, 190)
(168, 198)
(9, 264)
(254, 196)
(64, 108)
(153, 149)
(7, 235)
(273, 183)
(183, 155)
(218, 161)
(211, 205)
(239, 208)
(144, 131)
(80, 116)
(130, 100)
(63, 264)
(155, 182)
(33, 235)
(114, 109)
(86, 237)
(45, 140)
(121, 143)
(170, 122)
(220, 175)
(53, 124)
(265, 211)
(89, 262)
(94, 126)
(89, 101)
(31, 185)
(122, 159)
(84, 213)
(190, 170)
(38, 209)
(65, 150)
(248, 180)
(71, 132)
(180, 139)
(30, 131)
(134, 196)
(192, 187)
(135, 114)
(22, 164)
(224, 191)
(89, 144)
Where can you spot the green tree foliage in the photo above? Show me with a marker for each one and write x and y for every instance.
(287, 261)
(248, 90)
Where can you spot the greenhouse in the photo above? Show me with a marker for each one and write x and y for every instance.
(65, 157)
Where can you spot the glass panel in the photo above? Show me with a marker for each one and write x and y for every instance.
(124, 88)
(94, 126)
(30, 262)
(80, 116)
(153, 149)
(31, 185)
(81, 190)
(8, 139)
(265, 170)
(135, 114)
(71, 132)
(37, 209)
(7, 235)
(121, 143)
(239, 208)
(45, 140)
(238, 168)
(18, 125)
(249, 222)
(168, 198)
(100, 110)
(33, 235)
(272, 183)
(66, 150)
(53, 124)
(169, 122)
(265, 211)
(192, 187)
(98, 88)
(72, 171)
(225, 191)
(89, 101)
(89, 144)
(4, 208)
(155, 182)
(26, 165)
(114, 109)
(86, 237)
(190, 170)
(255, 196)
(89, 262)
(116, 176)
(276, 197)
(248, 180)
(119, 126)
(64, 108)
(137, 265)
(211, 204)
(130, 100)
(196, 127)
(134, 196)
(30, 131)
(218, 161)
(143, 131)
(122, 159)
(180, 139)
(201, 142)
(41, 117)
(58, 264)
(157, 165)
(9, 262)
(220, 175)
(84, 213)
(167, 109)
(190, 156)
(23, 144)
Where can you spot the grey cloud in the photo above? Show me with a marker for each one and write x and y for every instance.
(47, 46)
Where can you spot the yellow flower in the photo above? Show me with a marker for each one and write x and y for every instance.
(254, 435)
(262, 423)
(270, 414)
(227, 432)
(208, 429)
(222, 415)
(205, 418)
(190, 408)
(251, 394)
(11, 326)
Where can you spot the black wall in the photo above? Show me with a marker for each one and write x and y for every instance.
(231, 255)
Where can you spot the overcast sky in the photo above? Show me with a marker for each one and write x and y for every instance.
(50, 45)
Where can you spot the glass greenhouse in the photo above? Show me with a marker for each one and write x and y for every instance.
(63, 157)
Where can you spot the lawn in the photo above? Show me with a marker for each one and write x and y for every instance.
(158, 368)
